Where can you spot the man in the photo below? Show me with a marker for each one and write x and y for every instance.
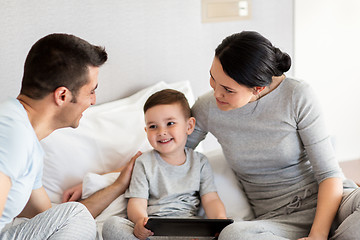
(59, 82)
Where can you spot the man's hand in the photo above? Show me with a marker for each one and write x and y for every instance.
(140, 231)
(125, 176)
(100, 200)
(72, 194)
(75, 193)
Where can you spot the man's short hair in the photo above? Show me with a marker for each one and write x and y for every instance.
(168, 96)
(59, 60)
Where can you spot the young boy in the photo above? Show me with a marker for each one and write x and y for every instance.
(170, 180)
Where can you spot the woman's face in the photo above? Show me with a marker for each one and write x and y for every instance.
(228, 93)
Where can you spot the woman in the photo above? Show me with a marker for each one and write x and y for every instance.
(272, 134)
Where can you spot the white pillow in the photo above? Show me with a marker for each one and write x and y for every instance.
(107, 137)
(228, 187)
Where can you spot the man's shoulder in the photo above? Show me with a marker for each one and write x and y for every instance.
(13, 115)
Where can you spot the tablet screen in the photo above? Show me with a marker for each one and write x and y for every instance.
(186, 226)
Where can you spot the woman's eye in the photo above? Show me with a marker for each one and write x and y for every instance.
(229, 91)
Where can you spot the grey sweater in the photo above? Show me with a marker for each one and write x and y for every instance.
(278, 146)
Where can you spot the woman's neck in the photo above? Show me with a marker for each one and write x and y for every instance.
(276, 80)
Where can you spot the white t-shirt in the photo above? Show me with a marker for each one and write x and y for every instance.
(21, 157)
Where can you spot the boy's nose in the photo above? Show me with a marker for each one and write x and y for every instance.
(162, 131)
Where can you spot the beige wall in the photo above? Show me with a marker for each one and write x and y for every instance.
(327, 50)
(147, 40)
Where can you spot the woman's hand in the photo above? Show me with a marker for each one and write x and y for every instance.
(140, 231)
(72, 194)
(313, 238)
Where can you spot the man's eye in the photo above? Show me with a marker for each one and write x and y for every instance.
(170, 123)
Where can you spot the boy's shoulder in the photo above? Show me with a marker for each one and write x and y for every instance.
(145, 156)
(195, 155)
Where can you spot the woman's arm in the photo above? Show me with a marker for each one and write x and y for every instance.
(329, 198)
(136, 210)
(213, 206)
(311, 127)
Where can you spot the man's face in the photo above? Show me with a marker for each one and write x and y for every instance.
(85, 97)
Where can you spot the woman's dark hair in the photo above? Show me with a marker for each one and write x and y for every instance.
(168, 96)
(59, 60)
(251, 60)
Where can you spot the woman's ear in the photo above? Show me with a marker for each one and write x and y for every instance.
(61, 94)
(191, 125)
(257, 90)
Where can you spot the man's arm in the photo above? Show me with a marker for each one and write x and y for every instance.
(100, 200)
(5, 185)
(38, 202)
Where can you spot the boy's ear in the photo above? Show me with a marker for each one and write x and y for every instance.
(61, 94)
(145, 129)
(191, 125)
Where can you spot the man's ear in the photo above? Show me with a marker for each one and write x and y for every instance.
(191, 125)
(61, 95)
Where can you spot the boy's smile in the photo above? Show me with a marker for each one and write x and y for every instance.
(165, 141)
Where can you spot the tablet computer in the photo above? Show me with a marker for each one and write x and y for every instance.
(186, 226)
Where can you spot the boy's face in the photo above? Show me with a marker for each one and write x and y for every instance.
(167, 128)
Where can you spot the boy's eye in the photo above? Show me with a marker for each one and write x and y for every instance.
(170, 123)
(152, 126)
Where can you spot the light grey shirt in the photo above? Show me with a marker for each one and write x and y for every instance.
(171, 190)
(278, 146)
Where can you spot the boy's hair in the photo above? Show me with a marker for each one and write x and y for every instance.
(59, 60)
(168, 96)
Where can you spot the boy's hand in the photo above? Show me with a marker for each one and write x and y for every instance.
(140, 231)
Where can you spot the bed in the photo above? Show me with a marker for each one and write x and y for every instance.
(108, 135)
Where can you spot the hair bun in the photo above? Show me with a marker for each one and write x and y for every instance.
(283, 61)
